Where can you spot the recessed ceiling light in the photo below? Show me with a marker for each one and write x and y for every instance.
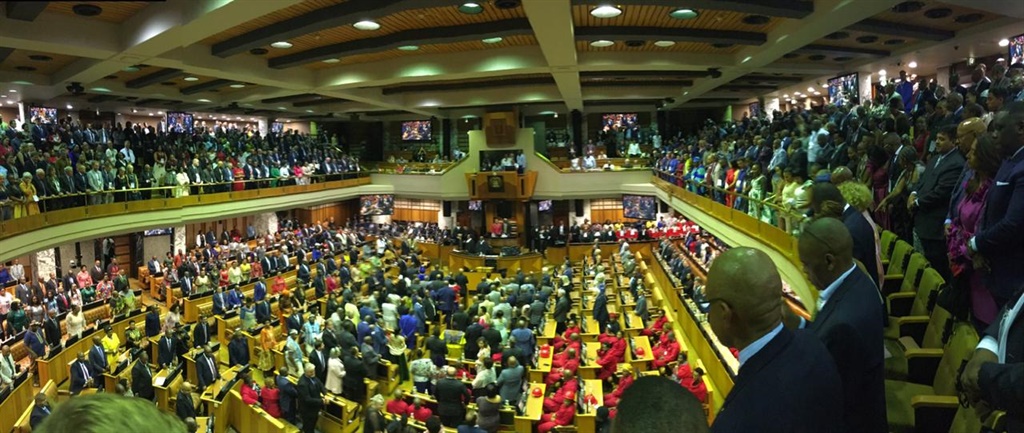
(160, 112)
(683, 14)
(24, 83)
(602, 43)
(10, 102)
(912, 65)
(282, 45)
(280, 108)
(203, 100)
(471, 8)
(606, 11)
(664, 44)
(882, 72)
(331, 60)
(493, 40)
(237, 86)
(258, 51)
(810, 89)
(100, 89)
(191, 78)
(1004, 42)
(409, 47)
(13, 91)
(70, 107)
(309, 111)
(366, 25)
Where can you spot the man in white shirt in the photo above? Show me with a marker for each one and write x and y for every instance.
(129, 154)
(17, 270)
(815, 143)
(7, 369)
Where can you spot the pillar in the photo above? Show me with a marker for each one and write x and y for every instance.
(446, 137)
(44, 263)
(180, 242)
(576, 123)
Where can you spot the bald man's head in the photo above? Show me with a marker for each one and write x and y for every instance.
(826, 250)
(654, 404)
(749, 289)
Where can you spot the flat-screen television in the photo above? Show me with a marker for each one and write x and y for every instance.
(543, 205)
(377, 204)
(643, 207)
(755, 109)
(1016, 54)
(179, 122)
(416, 130)
(844, 90)
(159, 232)
(476, 205)
(277, 127)
(44, 114)
(617, 121)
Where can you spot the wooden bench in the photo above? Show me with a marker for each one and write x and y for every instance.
(22, 425)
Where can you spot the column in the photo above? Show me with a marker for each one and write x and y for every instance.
(446, 137)
(44, 262)
(576, 125)
(263, 126)
(180, 242)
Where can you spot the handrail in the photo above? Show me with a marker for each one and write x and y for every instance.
(595, 170)
(415, 167)
(206, 196)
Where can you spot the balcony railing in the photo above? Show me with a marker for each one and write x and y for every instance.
(85, 206)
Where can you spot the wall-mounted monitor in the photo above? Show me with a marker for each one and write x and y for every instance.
(844, 90)
(377, 204)
(476, 205)
(543, 205)
(643, 207)
(180, 122)
(158, 232)
(417, 130)
(617, 121)
(1016, 54)
(43, 114)
(755, 109)
(277, 127)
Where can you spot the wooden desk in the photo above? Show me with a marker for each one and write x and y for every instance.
(167, 390)
(347, 423)
(635, 324)
(587, 421)
(548, 333)
(640, 362)
(14, 405)
(590, 369)
(532, 262)
(245, 418)
(56, 368)
(543, 368)
(534, 408)
(110, 381)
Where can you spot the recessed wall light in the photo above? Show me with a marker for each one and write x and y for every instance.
(602, 43)
(493, 40)
(282, 45)
(331, 60)
(664, 44)
(13, 91)
(191, 78)
(684, 14)
(366, 25)
(1004, 42)
(606, 11)
(409, 47)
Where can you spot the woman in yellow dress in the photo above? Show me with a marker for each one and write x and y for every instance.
(267, 344)
(111, 344)
(31, 199)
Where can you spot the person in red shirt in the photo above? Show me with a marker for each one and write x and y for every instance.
(683, 370)
(224, 281)
(567, 371)
(569, 387)
(695, 384)
(666, 353)
(571, 334)
(625, 379)
(657, 327)
(271, 398)
(398, 405)
(561, 358)
(420, 412)
(250, 391)
(564, 415)
(279, 285)
(612, 353)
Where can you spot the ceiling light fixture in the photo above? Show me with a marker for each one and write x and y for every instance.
(160, 113)
(237, 86)
(203, 100)
(683, 14)
(309, 111)
(408, 48)
(493, 40)
(664, 44)
(13, 91)
(132, 68)
(602, 43)
(284, 45)
(810, 89)
(1004, 42)
(606, 11)
(912, 65)
(366, 25)
(882, 72)
(191, 78)
(70, 107)
(331, 60)
(101, 89)
(747, 59)
(471, 8)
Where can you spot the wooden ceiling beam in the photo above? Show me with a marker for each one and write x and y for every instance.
(902, 30)
(25, 10)
(829, 50)
(209, 85)
(154, 78)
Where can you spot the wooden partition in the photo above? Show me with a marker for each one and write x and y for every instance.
(531, 262)
(56, 368)
(14, 405)
(249, 419)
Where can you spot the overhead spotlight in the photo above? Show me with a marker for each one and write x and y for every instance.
(683, 14)
(606, 11)
(281, 45)
(75, 88)
(493, 40)
(882, 72)
(664, 44)
(471, 8)
(602, 43)
(70, 107)
(366, 25)
(191, 78)
(810, 89)
(408, 48)
(1004, 42)
(912, 65)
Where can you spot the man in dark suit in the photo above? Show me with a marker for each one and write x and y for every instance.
(353, 384)
(81, 377)
(318, 358)
(51, 328)
(452, 397)
(847, 322)
(97, 358)
(601, 310)
(220, 302)
(779, 368)
(153, 322)
(206, 368)
(310, 393)
(827, 201)
(142, 378)
(930, 200)
(238, 350)
(995, 375)
(185, 407)
(166, 349)
(201, 332)
(1000, 236)
(40, 411)
(288, 394)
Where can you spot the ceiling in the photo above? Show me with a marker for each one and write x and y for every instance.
(449, 58)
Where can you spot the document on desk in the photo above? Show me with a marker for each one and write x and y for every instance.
(159, 380)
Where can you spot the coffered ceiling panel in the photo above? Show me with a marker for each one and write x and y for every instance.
(35, 62)
(458, 47)
(109, 11)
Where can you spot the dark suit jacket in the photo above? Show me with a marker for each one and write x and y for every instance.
(97, 362)
(452, 397)
(238, 353)
(1002, 385)
(321, 367)
(310, 394)
(601, 309)
(142, 382)
(205, 376)
(37, 417)
(200, 335)
(78, 377)
(849, 326)
(1000, 236)
(794, 368)
(185, 407)
(863, 241)
(165, 351)
(933, 194)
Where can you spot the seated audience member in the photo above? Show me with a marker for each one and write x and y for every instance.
(665, 351)
(569, 386)
(657, 405)
(612, 353)
(398, 405)
(563, 415)
(624, 379)
(418, 411)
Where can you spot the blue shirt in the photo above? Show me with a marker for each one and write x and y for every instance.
(752, 349)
